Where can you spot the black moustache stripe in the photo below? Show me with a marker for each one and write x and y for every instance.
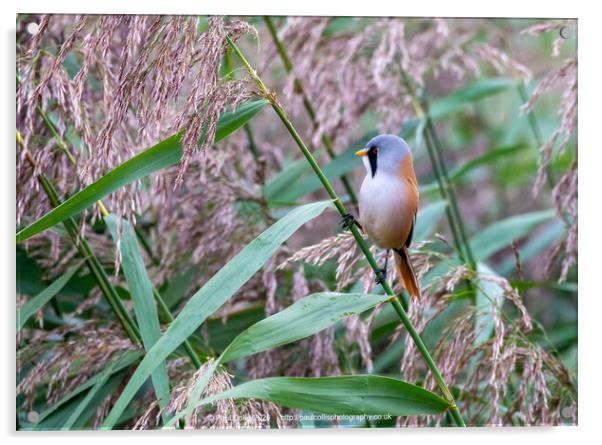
(372, 159)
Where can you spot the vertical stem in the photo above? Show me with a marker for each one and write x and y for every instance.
(452, 192)
(286, 61)
(436, 155)
(533, 123)
(356, 234)
(443, 189)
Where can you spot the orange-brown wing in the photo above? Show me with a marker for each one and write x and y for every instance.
(408, 175)
(405, 270)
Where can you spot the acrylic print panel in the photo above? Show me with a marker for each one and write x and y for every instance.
(199, 246)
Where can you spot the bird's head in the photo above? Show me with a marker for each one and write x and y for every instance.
(384, 153)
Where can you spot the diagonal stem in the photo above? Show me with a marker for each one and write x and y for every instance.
(288, 65)
(405, 319)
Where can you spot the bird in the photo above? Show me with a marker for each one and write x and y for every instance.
(388, 203)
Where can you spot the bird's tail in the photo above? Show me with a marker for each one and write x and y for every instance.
(406, 273)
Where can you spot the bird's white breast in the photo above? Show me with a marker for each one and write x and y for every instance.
(384, 209)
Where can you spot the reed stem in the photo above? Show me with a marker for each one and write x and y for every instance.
(444, 190)
(435, 151)
(356, 234)
(452, 192)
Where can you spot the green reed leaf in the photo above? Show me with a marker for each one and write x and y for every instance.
(33, 305)
(141, 290)
(302, 319)
(542, 240)
(164, 154)
(473, 92)
(213, 295)
(305, 317)
(427, 219)
(62, 415)
(342, 395)
(501, 233)
(488, 294)
(488, 158)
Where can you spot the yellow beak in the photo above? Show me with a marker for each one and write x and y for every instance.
(361, 152)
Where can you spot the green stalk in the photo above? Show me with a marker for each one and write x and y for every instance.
(444, 190)
(356, 234)
(288, 65)
(451, 190)
(446, 186)
(531, 118)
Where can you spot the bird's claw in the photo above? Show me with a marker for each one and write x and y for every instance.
(381, 276)
(349, 220)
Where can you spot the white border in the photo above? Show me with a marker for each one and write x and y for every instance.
(589, 200)
(428, 8)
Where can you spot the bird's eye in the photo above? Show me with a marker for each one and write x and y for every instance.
(375, 150)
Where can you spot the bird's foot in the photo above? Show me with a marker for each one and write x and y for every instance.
(349, 220)
(381, 276)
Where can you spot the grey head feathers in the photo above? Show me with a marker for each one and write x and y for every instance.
(385, 154)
